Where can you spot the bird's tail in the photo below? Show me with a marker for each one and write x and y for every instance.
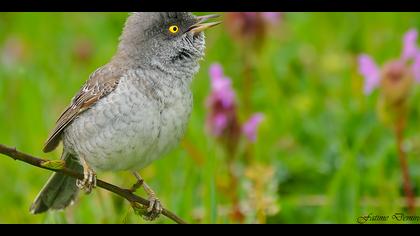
(60, 190)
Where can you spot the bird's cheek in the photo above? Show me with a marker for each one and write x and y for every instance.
(199, 36)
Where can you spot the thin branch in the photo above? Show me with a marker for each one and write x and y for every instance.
(125, 193)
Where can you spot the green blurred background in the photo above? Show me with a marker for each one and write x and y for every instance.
(321, 156)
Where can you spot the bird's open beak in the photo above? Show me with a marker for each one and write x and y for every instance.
(201, 25)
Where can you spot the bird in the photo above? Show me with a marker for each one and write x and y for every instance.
(131, 111)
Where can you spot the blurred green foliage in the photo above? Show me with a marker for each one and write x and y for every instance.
(330, 157)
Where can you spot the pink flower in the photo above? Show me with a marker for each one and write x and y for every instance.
(216, 71)
(221, 102)
(410, 45)
(249, 129)
(372, 74)
(221, 87)
(370, 71)
(222, 119)
(219, 123)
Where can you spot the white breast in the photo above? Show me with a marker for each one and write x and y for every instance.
(174, 119)
(128, 129)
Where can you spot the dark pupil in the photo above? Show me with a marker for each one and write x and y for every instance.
(175, 28)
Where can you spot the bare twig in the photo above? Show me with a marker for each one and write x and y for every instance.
(125, 193)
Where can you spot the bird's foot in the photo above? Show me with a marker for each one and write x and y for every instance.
(154, 210)
(136, 186)
(155, 207)
(89, 180)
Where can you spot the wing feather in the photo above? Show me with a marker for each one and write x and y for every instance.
(100, 83)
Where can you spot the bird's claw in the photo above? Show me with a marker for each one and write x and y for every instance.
(88, 182)
(154, 210)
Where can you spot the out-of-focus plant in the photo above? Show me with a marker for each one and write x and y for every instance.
(249, 30)
(13, 52)
(261, 190)
(222, 122)
(82, 50)
(222, 119)
(395, 80)
(249, 129)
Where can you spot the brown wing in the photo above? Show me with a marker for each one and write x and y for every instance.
(101, 82)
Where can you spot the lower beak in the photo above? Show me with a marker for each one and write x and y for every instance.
(201, 25)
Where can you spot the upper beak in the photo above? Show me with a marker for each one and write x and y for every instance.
(201, 25)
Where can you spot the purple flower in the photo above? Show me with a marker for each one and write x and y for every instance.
(410, 52)
(216, 71)
(370, 71)
(221, 102)
(219, 123)
(221, 87)
(250, 127)
(409, 45)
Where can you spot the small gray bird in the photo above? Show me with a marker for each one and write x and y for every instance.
(132, 110)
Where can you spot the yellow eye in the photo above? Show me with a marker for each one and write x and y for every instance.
(173, 29)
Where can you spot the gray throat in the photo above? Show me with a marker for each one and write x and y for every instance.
(172, 74)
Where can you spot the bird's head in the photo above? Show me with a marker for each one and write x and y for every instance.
(165, 39)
